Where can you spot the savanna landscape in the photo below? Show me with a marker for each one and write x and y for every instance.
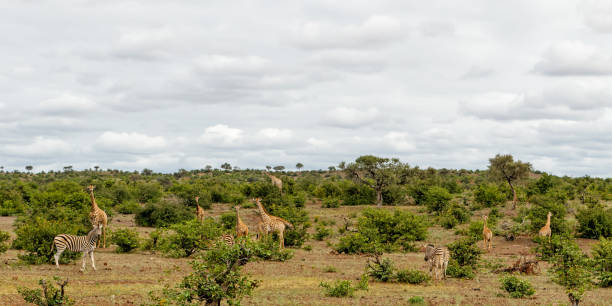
(358, 235)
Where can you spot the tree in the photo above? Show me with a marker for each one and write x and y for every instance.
(331, 168)
(279, 168)
(226, 166)
(571, 270)
(97, 168)
(146, 171)
(375, 172)
(29, 168)
(208, 168)
(67, 168)
(299, 166)
(503, 167)
(342, 165)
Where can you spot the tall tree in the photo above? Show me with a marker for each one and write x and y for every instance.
(226, 166)
(375, 172)
(29, 168)
(279, 168)
(503, 167)
(299, 166)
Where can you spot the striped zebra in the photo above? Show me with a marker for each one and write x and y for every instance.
(437, 257)
(228, 239)
(85, 244)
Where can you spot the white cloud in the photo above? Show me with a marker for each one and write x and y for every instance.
(574, 58)
(41, 147)
(348, 117)
(130, 142)
(375, 31)
(224, 64)
(275, 135)
(66, 104)
(399, 141)
(597, 15)
(221, 135)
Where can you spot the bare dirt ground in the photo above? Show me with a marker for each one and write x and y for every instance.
(126, 279)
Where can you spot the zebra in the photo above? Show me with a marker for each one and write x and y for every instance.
(437, 257)
(228, 239)
(85, 244)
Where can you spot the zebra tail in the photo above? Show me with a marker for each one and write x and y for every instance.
(52, 245)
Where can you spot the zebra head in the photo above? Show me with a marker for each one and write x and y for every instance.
(429, 251)
(95, 232)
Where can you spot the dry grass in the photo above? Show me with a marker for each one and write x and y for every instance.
(126, 279)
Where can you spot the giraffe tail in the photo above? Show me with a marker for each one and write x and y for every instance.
(287, 223)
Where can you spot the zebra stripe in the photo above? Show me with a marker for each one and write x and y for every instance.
(85, 244)
(438, 258)
(228, 239)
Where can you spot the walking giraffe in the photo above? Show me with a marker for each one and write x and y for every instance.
(487, 235)
(85, 244)
(199, 210)
(276, 181)
(545, 231)
(97, 216)
(437, 257)
(273, 224)
(241, 228)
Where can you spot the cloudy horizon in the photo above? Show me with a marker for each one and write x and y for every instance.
(168, 85)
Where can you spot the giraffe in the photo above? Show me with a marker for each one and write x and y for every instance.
(199, 210)
(241, 228)
(546, 231)
(276, 181)
(261, 230)
(487, 235)
(97, 216)
(273, 224)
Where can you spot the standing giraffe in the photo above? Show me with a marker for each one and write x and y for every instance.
(273, 224)
(546, 231)
(199, 210)
(241, 228)
(97, 216)
(276, 181)
(487, 235)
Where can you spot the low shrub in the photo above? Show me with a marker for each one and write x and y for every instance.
(542, 204)
(412, 277)
(49, 296)
(602, 258)
(416, 300)
(457, 271)
(437, 199)
(228, 221)
(4, 237)
(516, 287)
(126, 240)
(465, 251)
(330, 202)
(380, 270)
(547, 248)
(269, 249)
(35, 236)
(594, 222)
(322, 232)
(161, 214)
(186, 238)
(489, 195)
(341, 288)
(129, 207)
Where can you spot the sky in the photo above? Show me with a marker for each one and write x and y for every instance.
(126, 84)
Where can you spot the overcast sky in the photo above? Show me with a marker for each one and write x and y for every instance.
(184, 84)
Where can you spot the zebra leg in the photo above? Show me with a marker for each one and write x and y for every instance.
(84, 259)
(57, 257)
(93, 262)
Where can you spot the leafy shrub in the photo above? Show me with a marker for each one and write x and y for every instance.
(341, 288)
(489, 195)
(357, 194)
(186, 238)
(330, 203)
(49, 296)
(36, 238)
(228, 221)
(268, 249)
(457, 271)
(416, 300)
(394, 195)
(437, 199)
(4, 237)
(516, 287)
(381, 270)
(148, 192)
(602, 257)
(330, 269)
(542, 204)
(455, 214)
(412, 277)
(419, 193)
(296, 215)
(163, 214)
(547, 248)
(385, 230)
(571, 269)
(322, 232)
(126, 240)
(128, 207)
(448, 221)
(595, 222)
(465, 251)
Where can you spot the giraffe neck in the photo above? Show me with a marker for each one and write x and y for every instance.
(264, 216)
(485, 223)
(94, 205)
(238, 220)
(548, 221)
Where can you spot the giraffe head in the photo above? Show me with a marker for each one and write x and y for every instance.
(549, 214)
(237, 207)
(91, 187)
(485, 217)
(197, 199)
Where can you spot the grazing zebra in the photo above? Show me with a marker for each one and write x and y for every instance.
(85, 244)
(437, 257)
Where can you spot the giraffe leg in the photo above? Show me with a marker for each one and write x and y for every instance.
(281, 239)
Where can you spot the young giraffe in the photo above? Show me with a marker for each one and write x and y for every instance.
(546, 231)
(273, 224)
(241, 228)
(486, 234)
(261, 230)
(275, 180)
(199, 210)
(97, 216)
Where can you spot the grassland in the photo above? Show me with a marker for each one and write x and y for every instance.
(126, 279)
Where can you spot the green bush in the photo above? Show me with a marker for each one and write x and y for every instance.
(595, 222)
(416, 300)
(437, 199)
(129, 207)
(381, 270)
(602, 258)
(126, 240)
(419, 193)
(49, 296)
(186, 238)
(4, 237)
(465, 251)
(547, 248)
(341, 288)
(394, 195)
(330, 202)
(571, 268)
(296, 215)
(357, 194)
(163, 214)
(228, 221)
(148, 192)
(516, 287)
(268, 249)
(457, 271)
(455, 214)
(414, 277)
(36, 238)
(542, 204)
(322, 232)
(489, 195)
